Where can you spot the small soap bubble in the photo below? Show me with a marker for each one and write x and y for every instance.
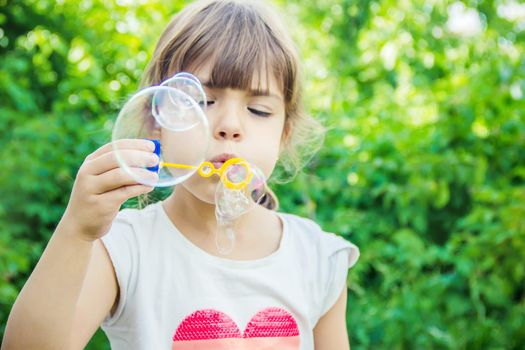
(231, 203)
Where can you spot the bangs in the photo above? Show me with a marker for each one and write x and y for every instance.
(240, 48)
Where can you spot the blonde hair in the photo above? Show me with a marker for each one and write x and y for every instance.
(241, 39)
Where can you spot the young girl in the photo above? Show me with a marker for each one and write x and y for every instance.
(152, 278)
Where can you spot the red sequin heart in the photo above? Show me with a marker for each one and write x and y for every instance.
(270, 328)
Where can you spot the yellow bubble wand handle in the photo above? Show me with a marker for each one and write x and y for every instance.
(207, 169)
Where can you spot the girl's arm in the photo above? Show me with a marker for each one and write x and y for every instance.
(330, 332)
(47, 311)
(99, 295)
(73, 286)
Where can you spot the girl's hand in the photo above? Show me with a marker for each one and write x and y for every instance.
(101, 186)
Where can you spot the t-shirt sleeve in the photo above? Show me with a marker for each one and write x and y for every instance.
(121, 245)
(337, 256)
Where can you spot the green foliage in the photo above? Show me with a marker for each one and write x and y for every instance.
(423, 167)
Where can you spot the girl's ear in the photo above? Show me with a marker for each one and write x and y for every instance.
(152, 127)
(155, 133)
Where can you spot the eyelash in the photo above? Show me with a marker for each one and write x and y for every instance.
(259, 113)
(252, 110)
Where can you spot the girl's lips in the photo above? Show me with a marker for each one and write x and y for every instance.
(221, 158)
(217, 165)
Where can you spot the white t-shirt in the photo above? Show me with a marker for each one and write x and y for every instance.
(174, 295)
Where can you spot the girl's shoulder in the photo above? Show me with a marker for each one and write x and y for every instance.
(324, 259)
(309, 236)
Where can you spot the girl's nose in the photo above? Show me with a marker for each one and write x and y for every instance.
(229, 135)
(228, 127)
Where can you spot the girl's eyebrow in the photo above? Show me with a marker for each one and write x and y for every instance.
(251, 92)
(266, 93)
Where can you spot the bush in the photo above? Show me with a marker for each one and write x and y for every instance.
(423, 167)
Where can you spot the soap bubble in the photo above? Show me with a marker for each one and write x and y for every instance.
(225, 237)
(176, 120)
(189, 84)
(231, 203)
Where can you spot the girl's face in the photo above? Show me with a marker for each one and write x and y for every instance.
(246, 124)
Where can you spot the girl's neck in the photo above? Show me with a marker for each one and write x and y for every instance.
(187, 211)
(258, 232)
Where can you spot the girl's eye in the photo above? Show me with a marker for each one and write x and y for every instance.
(259, 113)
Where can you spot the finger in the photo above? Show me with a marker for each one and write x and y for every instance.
(130, 157)
(121, 194)
(138, 144)
(119, 177)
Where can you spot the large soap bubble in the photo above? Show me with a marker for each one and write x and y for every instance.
(172, 114)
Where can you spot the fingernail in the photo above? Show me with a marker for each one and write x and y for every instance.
(152, 144)
(153, 160)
